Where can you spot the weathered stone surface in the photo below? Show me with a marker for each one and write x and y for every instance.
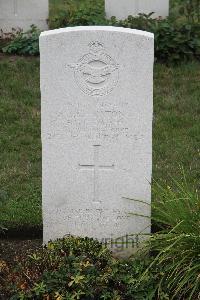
(97, 91)
(121, 9)
(21, 14)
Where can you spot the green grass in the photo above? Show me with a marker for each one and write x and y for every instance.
(178, 247)
(176, 134)
(176, 141)
(20, 147)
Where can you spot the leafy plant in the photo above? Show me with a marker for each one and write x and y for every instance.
(174, 42)
(78, 268)
(26, 43)
(83, 13)
(177, 245)
(190, 9)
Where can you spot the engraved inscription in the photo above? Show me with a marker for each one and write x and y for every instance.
(107, 122)
(96, 73)
(96, 168)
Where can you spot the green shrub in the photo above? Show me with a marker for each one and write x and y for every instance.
(84, 13)
(177, 245)
(190, 9)
(78, 268)
(24, 43)
(174, 42)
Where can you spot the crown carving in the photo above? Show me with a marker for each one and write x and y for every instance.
(96, 47)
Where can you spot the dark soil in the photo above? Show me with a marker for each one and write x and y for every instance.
(9, 249)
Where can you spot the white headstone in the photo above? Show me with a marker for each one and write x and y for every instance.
(21, 14)
(121, 9)
(97, 102)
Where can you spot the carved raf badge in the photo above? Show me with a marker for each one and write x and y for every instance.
(96, 73)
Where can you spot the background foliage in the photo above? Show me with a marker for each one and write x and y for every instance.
(24, 43)
(176, 39)
(190, 9)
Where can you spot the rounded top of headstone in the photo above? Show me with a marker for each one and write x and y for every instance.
(97, 28)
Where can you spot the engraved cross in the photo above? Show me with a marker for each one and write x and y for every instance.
(96, 168)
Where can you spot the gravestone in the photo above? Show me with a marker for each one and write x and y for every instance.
(21, 14)
(97, 87)
(121, 9)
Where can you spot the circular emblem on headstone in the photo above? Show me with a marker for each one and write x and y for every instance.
(96, 73)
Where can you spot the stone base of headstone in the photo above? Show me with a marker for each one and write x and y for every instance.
(121, 9)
